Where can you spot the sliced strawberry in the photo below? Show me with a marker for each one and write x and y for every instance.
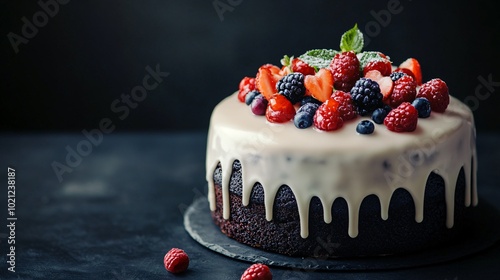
(300, 66)
(413, 65)
(386, 85)
(319, 86)
(384, 66)
(266, 79)
(374, 75)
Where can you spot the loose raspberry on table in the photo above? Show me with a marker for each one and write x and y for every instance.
(257, 271)
(366, 96)
(346, 107)
(292, 87)
(404, 118)
(279, 109)
(345, 70)
(327, 117)
(404, 90)
(436, 91)
(176, 260)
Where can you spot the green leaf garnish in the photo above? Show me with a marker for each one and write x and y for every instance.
(352, 40)
(319, 58)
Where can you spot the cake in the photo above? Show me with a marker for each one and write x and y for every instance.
(341, 154)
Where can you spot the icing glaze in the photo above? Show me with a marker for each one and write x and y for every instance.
(341, 163)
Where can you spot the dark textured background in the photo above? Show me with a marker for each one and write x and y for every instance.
(91, 52)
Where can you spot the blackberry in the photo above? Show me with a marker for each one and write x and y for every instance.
(366, 96)
(365, 127)
(292, 87)
(396, 75)
(304, 116)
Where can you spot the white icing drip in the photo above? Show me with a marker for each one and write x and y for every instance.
(331, 165)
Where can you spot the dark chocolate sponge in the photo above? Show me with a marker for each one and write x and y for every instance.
(400, 233)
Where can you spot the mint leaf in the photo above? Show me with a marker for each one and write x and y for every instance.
(368, 56)
(319, 58)
(352, 40)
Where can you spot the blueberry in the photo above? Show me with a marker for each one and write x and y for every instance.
(365, 127)
(379, 115)
(305, 114)
(250, 96)
(259, 105)
(309, 99)
(423, 107)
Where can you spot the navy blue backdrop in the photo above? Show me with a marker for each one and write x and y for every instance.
(163, 65)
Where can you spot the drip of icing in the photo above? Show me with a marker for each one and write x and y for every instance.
(342, 163)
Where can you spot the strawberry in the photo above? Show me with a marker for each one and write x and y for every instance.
(405, 89)
(413, 65)
(436, 91)
(257, 271)
(266, 79)
(373, 75)
(279, 109)
(300, 66)
(345, 70)
(346, 107)
(176, 260)
(386, 87)
(319, 86)
(383, 65)
(327, 117)
(247, 84)
(404, 118)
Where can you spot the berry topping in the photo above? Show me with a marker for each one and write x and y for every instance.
(279, 109)
(396, 75)
(404, 90)
(365, 127)
(300, 66)
(402, 119)
(379, 115)
(320, 86)
(176, 261)
(327, 117)
(423, 107)
(247, 84)
(373, 75)
(346, 107)
(266, 79)
(259, 105)
(250, 96)
(305, 114)
(413, 65)
(345, 70)
(292, 87)
(436, 91)
(366, 95)
(386, 87)
(257, 271)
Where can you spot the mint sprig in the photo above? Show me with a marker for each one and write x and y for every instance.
(352, 40)
(319, 58)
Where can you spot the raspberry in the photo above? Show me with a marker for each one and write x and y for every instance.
(404, 90)
(402, 119)
(346, 107)
(327, 117)
(176, 260)
(366, 95)
(257, 271)
(345, 70)
(305, 115)
(436, 91)
(300, 66)
(279, 109)
(247, 84)
(292, 87)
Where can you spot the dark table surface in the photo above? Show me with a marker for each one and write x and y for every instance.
(117, 208)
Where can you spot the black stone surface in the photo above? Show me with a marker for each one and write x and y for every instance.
(121, 209)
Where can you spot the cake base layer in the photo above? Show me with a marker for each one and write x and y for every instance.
(400, 233)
